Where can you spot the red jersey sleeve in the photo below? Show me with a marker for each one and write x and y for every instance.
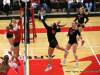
(19, 22)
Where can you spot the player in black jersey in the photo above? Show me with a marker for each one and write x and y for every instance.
(80, 17)
(53, 43)
(72, 42)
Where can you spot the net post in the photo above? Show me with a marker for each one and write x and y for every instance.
(25, 52)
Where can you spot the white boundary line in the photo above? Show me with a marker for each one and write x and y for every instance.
(93, 51)
(27, 62)
(46, 47)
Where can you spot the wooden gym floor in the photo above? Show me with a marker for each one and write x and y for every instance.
(88, 55)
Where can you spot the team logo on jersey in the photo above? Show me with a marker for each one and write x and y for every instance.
(53, 31)
(71, 32)
(79, 16)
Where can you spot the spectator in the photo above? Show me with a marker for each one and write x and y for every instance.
(71, 3)
(6, 5)
(22, 4)
(88, 5)
(1, 3)
(45, 4)
(96, 3)
(42, 11)
(79, 3)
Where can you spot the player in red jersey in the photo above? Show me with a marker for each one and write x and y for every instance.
(14, 28)
(6, 65)
(10, 37)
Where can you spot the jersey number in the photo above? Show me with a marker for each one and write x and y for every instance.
(53, 31)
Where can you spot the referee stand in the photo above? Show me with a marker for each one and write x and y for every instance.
(28, 26)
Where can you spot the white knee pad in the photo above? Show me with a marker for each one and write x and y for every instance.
(12, 46)
(78, 36)
(49, 56)
(75, 54)
(67, 52)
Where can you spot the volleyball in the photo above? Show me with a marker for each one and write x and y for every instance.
(34, 5)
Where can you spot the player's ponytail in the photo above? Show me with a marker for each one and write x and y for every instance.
(9, 27)
(86, 13)
(4, 64)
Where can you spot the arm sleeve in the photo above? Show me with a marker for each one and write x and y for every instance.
(78, 32)
(87, 19)
(19, 22)
(69, 32)
(45, 25)
(12, 64)
(76, 18)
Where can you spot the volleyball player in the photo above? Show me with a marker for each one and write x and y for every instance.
(72, 42)
(53, 43)
(6, 65)
(17, 34)
(80, 17)
(10, 37)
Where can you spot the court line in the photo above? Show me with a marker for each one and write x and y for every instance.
(70, 72)
(47, 47)
(27, 62)
(92, 51)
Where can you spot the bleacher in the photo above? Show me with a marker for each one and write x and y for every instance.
(59, 6)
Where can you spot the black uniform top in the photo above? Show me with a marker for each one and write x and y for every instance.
(50, 32)
(73, 33)
(81, 17)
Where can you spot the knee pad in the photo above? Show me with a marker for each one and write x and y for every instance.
(75, 54)
(67, 52)
(12, 46)
(78, 36)
(49, 56)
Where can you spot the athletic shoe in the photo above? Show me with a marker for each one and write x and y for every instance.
(76, 65)
(82, 43)
(64, 62)
(10, 53)
(18, 63)
(16, 70)
(48, 69)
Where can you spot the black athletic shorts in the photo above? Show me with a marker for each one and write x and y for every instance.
(9, 35)
(16, 44)
(72, 42)
(53, 44)
(83, 26)
(80, 26)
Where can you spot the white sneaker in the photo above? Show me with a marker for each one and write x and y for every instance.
(48, 69)
(76, 65)
(64, 62)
